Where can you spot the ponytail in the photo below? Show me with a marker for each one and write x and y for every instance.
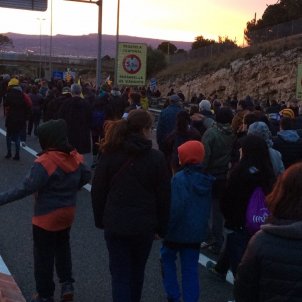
(115, 134)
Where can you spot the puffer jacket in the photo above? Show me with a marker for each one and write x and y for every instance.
(271, 268)
(131, 189)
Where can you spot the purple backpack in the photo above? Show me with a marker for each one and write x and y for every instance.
(256, 212)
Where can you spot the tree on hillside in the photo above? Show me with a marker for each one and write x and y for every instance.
(156, 61)
(200, 41)
(227, 42)
(5, 42)
(281, 12)
(167, 48)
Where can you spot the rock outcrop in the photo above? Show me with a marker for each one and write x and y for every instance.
(271, 76)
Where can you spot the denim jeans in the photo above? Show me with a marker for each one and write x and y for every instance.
(189, 273)
(127, 259)
(51, 248)
(13, 138)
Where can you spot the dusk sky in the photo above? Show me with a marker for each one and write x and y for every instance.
(177, 20)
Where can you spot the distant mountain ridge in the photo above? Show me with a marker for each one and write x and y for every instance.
(79, 46)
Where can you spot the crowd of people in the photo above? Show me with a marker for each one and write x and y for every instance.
(213, 165)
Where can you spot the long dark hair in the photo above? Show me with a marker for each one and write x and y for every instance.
(182, 122)
(255, 154)
(117, 131)
(285, 201)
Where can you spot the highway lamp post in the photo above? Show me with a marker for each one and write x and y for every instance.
(117, 42)
(99, 54)
(40, 42)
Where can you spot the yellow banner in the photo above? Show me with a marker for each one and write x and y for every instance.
(299, 83)
(131, 64)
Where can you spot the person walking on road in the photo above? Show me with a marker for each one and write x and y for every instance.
(130, 198)
(77, 113)
(16, 112)
(271, 267)
(55, 177)
(188, 223)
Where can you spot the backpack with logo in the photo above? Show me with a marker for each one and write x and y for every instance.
(256, 212)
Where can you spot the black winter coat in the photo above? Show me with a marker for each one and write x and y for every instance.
(241, 183)
(77, 114)
(289, 147)
(131, 190)
(271, 268)
(17, 111)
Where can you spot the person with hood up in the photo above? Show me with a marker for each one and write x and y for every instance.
(271, 267)
(188, 223)
(16, 112)
(261, 129)
(130, 198)
(288, 142)
(54, 179)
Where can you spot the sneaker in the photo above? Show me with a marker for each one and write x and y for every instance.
(37, 298)
(8, 155)
(16, 157)
(211, 267)
(67, 292)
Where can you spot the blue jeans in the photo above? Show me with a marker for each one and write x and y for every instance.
(189, 271)
(127, 259)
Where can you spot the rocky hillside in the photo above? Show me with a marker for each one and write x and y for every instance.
(262, 76)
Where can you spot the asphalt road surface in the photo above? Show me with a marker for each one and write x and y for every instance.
(89, 253)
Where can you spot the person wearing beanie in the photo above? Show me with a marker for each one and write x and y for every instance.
(54, 179)
(16, 112)
(287, 112)
(189, 214)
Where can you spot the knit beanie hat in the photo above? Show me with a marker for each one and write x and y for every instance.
(13, 82)
(53, 135)
(287, 112)
(260, 129)
(205, 105)
(191, 152)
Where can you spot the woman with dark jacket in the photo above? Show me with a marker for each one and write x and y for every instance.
(130, 199)
(253, 170)
(182, 133)
(271, 268)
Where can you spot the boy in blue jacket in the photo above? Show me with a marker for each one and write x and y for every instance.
(189, 215)
(55, 177)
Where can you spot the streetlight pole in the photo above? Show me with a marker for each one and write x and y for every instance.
(117, 42)
(40, 59)
(99, 54)
(50, 43)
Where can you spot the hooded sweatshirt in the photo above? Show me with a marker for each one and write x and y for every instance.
(289, 144)
(55, 177)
